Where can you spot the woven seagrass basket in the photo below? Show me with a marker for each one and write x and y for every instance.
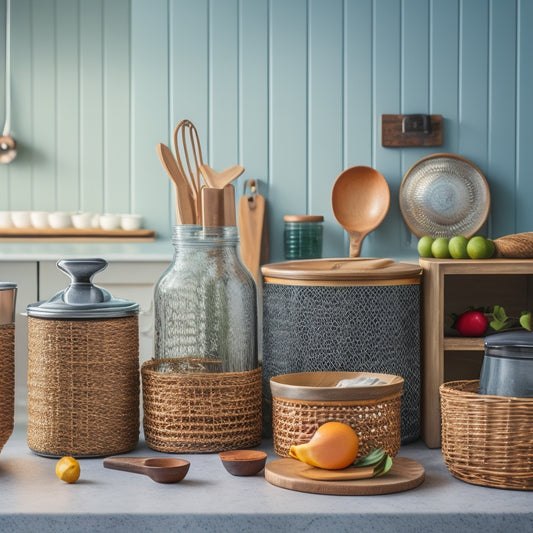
(199, 412)
(83, 386)
(373, 412)
(7, 381)
(487, 440)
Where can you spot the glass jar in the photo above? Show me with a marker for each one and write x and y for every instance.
(205, 304)
(303, 236)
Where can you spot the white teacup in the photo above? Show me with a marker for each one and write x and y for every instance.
(82, 220)
(21, 219)
(109, 221)
(39, 219)
(60, 219)
(130, 222)
(5, 219)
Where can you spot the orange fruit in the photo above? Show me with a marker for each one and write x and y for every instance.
(68, 469)
(333, 446)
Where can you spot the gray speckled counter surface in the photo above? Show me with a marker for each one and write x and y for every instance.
(210, 499)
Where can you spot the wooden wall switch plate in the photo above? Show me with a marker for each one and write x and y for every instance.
(411, 130)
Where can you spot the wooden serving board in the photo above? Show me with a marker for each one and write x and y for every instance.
(74, 234)
(405, 474)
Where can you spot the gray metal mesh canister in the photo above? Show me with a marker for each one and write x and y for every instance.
(8, 294)
(358, 315)
(83, 369)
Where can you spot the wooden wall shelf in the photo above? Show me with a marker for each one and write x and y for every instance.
(73, 234)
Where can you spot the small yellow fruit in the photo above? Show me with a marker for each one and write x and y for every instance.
(333, 446)
(68, 469)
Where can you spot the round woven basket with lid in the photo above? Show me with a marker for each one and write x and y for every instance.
(83, 369)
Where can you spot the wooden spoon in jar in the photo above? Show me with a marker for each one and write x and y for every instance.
(185, 196)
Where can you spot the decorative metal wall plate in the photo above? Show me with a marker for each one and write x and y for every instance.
(444, 195)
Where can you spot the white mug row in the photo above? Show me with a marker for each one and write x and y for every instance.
(64, 219)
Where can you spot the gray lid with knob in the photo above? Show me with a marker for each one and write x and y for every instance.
(82, 299)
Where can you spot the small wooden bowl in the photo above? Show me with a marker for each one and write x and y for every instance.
(243, 462)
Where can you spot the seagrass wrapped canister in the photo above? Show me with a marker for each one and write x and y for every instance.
(8, 293)
(344, 315)
(83, 369)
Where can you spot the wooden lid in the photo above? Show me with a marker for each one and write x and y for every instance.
(341, 269)
(303, 218)
(322, 386)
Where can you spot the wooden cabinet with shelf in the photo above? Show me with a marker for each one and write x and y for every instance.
(450, 286)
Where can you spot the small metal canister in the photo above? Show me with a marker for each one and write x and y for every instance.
(83, 369)
(8, 294)
(507, 368)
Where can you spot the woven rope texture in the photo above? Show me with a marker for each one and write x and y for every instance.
(7, 382)
(486, 440)
(200, 412)
(83, 386)
(376, 422)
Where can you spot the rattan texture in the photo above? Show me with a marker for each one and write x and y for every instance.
(83, 386)
(487, 440)
(200, 412)
(517, 246)
(376, 422)
(7, 382)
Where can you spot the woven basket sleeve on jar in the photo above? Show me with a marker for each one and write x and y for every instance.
(83, 386)
(7, 382)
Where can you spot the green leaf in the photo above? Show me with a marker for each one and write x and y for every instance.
(496, 325)
(525, 320)
(372, 458)
(383, 467)
(499, 314)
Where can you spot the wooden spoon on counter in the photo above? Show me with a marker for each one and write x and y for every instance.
(160, 469)
(185, 199)
(360, 199)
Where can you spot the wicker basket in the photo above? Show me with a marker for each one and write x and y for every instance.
(83, 386)
(7, 381)
(199, 412)
(376, 420)
(487, 440)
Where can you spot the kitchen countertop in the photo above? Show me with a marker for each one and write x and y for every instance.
(210, 499)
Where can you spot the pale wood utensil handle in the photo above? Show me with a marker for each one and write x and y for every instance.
(251, 228)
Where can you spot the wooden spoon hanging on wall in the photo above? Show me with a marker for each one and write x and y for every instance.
(360, 199)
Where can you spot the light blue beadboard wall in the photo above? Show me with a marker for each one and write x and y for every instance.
(293, 90)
